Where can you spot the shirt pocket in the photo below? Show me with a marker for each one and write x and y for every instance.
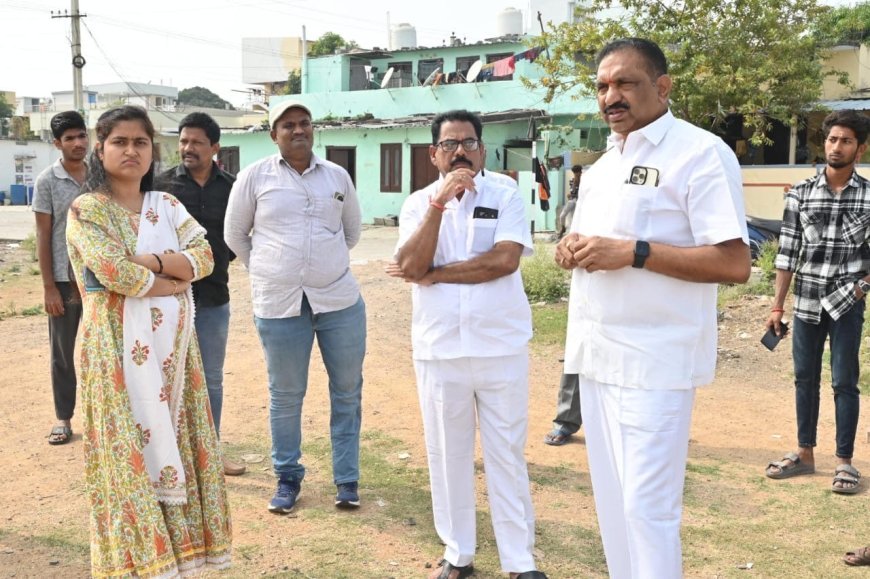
(855, 227)
(483, 235)
(632, 210)
(813, 225)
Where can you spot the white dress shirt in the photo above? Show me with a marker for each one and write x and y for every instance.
(293, 232)
(632, 327)
(470, 320)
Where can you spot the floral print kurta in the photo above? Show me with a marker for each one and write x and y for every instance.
(132, 533)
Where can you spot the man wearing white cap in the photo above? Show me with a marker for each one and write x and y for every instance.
(292, 219)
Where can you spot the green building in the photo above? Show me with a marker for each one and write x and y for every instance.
(376, 123)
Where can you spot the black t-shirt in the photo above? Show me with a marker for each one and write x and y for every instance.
(208, 205)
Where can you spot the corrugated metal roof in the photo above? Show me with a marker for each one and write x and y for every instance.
(856, 104)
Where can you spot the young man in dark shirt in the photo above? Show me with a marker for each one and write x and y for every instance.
(204, 189)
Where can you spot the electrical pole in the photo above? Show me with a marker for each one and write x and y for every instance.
(78, 61)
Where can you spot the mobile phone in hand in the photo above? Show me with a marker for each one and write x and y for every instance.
(770, 339)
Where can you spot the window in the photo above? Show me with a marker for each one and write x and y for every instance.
(427, 67)
(463, 63)
(490, 58)
(391, 168)
(401, 74)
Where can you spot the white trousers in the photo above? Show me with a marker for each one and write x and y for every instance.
(497, 388)
(638, 443)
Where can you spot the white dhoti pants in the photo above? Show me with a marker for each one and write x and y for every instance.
(497, 388)
(638, 443)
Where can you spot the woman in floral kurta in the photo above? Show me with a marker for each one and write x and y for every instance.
(133, 532)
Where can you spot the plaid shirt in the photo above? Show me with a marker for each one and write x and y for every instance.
(824, 241)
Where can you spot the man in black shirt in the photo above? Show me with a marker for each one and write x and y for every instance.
(204, 189)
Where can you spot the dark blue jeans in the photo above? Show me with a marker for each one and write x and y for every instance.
(808, 345)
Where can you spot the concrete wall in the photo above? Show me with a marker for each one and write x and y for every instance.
(33, 157)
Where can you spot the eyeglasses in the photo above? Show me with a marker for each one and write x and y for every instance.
(845, 141)
(450, 145)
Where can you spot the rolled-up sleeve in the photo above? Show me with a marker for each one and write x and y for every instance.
(351, 215)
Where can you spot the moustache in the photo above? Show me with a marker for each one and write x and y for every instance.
(190, 156)
(459, 160)
(616, 107)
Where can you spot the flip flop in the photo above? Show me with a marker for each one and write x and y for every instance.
(846, 473)
(789, 466)
(556, 437)
(64, 434)
(858, 557)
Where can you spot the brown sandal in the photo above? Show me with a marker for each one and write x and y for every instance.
(858, 557)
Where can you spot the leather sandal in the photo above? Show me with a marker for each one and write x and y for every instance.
(447, 568)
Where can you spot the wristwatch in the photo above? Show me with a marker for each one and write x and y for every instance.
(865, 287)
(641, 252)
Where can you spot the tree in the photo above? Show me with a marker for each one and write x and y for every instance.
(202, 97)
(844, 25)
(328, 43)
(294, 82)
(6, 110)
(755, 58)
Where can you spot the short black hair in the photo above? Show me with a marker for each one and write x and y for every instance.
(459, 115)
(62, 122)
(577, 169)
(851, 119)
(202, 121)
(649, 50)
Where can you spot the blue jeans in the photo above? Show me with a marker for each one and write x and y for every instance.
(287, 343)
(808, 345)
(212, 325)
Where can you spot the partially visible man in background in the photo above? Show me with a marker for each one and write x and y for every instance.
(56, 187)
(204, 189)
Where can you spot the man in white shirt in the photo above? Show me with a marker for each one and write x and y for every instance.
(460, 243)
(659, 223)
(292, 219)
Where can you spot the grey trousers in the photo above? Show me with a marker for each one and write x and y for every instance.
(568, 418)
(62, 332)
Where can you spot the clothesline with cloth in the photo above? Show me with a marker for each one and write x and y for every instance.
(507, 65)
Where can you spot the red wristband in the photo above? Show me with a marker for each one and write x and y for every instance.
(437, 206)
(777, 310)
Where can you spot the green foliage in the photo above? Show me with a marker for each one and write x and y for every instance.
(751, 57)
(543, 280)
(294, 82)
(549, 323)
(198, 96)
(29, 243)
(844, 25)
(6, 109)
(328, 43)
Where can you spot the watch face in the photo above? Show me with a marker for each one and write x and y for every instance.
(865, 287)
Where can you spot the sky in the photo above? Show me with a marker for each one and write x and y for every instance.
(187, 43)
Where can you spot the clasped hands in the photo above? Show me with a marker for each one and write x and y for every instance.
(594, 253)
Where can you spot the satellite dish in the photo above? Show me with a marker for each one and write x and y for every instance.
(431, 78)
(473, 71)
(387, 76)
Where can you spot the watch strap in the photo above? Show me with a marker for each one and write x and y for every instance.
(641, 252)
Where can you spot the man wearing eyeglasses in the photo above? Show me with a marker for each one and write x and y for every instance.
(823, 245)
(460, 243)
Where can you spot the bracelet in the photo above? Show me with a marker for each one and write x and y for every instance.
(437, 206)
(174, 286)
(159, 262)
(777, 310)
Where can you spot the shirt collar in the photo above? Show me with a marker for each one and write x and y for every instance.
(853, 183)
(60, 171)
(181, 171)
(653, 132)
(315, 160)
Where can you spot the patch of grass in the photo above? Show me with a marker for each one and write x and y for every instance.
(549, 323)
(15, 268)
(32, 311)
(8, 311)
(29, 243)
(34, 270)
(759, 284)
(543, 280)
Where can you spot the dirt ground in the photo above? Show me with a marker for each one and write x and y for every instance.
(742, 421)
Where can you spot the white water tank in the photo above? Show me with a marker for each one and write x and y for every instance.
(509, 22)
(404, 36)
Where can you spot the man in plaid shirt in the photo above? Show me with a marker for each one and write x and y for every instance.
(824, 245)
